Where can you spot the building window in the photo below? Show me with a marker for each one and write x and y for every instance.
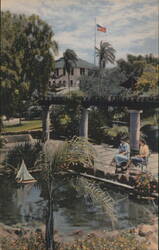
(64, 83)
(72, 72)
(82, 71)
(64, 71)
(71, 83)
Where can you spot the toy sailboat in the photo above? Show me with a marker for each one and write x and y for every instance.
(23, 176)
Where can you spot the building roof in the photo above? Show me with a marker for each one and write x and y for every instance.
(79, 64)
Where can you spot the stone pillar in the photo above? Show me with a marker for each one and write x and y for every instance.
(46, 123)
(83, 130)
(134, 130)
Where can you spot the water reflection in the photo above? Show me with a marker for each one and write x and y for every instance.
(27, 203)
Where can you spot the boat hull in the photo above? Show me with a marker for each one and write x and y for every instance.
(27, 181)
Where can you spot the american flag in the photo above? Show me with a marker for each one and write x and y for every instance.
(101, 28)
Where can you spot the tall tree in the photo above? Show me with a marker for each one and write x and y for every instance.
(40, 57)
(140, 73)
(70, 59)
(14, 88)
(39, 47)
(148, 82)
(109, 83)
(106, 54)
(28, 49)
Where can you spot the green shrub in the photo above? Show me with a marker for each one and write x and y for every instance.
(27, 152)
(114, 134)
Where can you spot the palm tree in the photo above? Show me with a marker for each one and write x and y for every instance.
(106, 54)
(70, 59)
(61, 156)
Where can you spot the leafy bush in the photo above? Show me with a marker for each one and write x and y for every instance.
(150, 129)
(152, 120)
(65, 119)
(115, 133)
(28, 152)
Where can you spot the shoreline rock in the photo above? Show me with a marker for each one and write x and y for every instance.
(147, 233)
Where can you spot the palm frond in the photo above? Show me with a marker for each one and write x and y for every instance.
(56, 157)
(98, 196)
(82, 151)
(106, 54)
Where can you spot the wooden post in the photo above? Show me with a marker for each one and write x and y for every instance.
(83, 130)
(46, 123)
(134, 130)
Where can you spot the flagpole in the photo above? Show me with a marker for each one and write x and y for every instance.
(95, 43)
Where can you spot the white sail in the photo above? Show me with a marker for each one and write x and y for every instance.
(23, 174)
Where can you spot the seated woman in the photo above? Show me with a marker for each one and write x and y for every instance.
(143, 153)
(123, 152)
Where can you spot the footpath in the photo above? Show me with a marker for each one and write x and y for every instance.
(106, 154)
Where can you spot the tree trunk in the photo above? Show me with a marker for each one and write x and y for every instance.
(83, 130)
(49, 233)
(20, 121)
(69, 84)
(1, 123)
(46, 123)
(134, 130)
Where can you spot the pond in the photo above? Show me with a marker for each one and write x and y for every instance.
(27, 204)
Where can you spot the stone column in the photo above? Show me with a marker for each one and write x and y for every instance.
(83, 130)
(134, 130)
(46, 123)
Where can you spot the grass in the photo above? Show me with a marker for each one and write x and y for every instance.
(25, 126)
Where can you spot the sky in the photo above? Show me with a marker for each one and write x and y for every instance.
(132, 25)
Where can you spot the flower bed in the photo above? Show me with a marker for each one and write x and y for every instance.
(146, 184)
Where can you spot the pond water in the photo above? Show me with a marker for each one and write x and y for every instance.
(27, 204)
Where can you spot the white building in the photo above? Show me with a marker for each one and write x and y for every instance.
(81, 68)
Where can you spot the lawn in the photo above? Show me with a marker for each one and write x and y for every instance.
(25, 126)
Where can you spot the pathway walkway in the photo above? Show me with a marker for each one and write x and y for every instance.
(106, 153)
